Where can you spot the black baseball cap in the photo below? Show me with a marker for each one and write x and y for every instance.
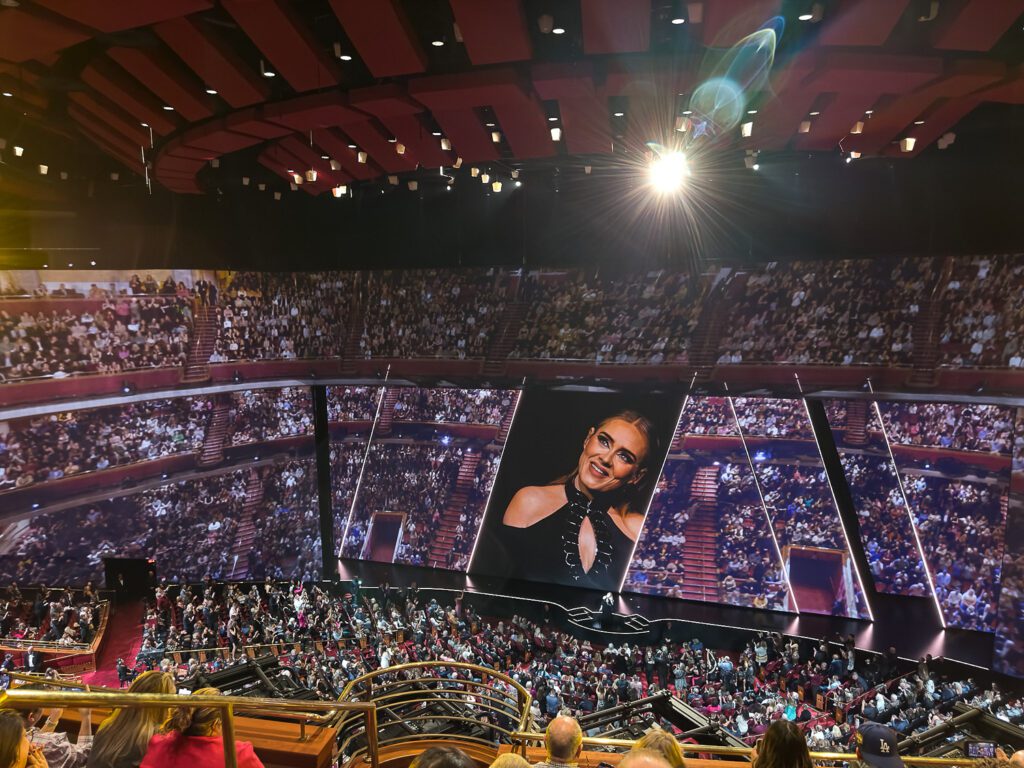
(878, 746)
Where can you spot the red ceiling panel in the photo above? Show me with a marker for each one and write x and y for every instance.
(112, 138)
(336, 145)
(857, 82)
(726, 22)
(127, 93)
(584, 116)
(382, 35)
(191, 153)
(173, 84)
(251, 123)
(215, 63)
(493, 32)
(778, 119)
(182, 165)
(939, 122)
(279, 160)
(218, 140)
(128, 162)
(616, 26)
(862, 22)
(369, 138)
(1009, 92)
(976, 25)
(452, 100)
(399, 114)
(307, 113)
(115, 16)
(124, 125)
(24, 35)
(892, 122)
(290, 47)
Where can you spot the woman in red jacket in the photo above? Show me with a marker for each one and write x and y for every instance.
(191, 738)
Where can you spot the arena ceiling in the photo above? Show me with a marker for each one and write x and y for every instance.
(375, 95)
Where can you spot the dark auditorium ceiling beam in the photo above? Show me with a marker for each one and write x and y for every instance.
(336, 145)
(27, 34)
(975, 25)
(494, 32)
(123, 124)
(214, 62)
(382, 35)
(726, 22)
(453, 100)
(401, 115)
(290, 48)
(862, 22)
(615, 26)
(171, 82)
(856, 81)
(126, 92)
(116, 16)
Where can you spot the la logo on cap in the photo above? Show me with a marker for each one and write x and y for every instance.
(883, 746)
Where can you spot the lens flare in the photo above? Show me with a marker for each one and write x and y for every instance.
(668, 172)
(718, 103)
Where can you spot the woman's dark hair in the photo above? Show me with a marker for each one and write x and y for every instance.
(630, 495)
(442, 757)
(783, 746)
(12, 730)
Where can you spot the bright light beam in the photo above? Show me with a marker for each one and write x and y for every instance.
(668, 173)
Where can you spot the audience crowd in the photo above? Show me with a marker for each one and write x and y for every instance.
(352, 403)
(773, 417)
(282, 315)
(982, 317)
(961, 525)
(258, 415)
(41, 448)
(454, 406)
(110, 336)
(974, 427)
(413, 479)
(787, 312)
(628, 319)
(432, 313)
(886, 530)
(66, 617)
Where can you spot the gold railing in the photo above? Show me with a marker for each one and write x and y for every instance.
(520, 739)
(228, 705)
(407, 695)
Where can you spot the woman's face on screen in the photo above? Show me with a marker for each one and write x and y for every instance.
(613, 455)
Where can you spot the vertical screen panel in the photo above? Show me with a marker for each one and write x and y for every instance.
(351, 412)
(706, 536)
(954, 460)
(1009, 643)
(886, 528)
(797, 495)
(427, 476)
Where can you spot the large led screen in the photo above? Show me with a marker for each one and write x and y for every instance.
(573, 487)
(885, 525)
(954, 463)
(794, 485)
(707, 535)
(421, 486)
(1009, 641)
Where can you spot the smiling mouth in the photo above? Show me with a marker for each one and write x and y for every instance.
(598, 470)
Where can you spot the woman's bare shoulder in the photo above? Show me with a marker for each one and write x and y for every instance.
(532, 504)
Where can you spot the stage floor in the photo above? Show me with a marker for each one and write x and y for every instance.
(909, 624)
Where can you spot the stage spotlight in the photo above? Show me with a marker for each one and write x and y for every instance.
(668, 173)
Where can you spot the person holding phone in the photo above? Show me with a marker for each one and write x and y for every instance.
(16, 751)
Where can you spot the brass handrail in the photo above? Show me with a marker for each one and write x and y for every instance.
(228, 705)
(522, 738)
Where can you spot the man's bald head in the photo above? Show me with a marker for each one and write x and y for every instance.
(643, 758)
(1017, 759)
(564, 740)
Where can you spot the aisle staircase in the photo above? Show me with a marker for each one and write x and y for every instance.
(216, 433)
(700, 553)
(246, 533)
(704, 344)
(204, 336)
(857, 421)
(505, 338)
(927, 330)
(351, 353)
(506, 423)
(445, 536)
(387, 411)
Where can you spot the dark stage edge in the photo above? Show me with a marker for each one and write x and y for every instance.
(907, 623)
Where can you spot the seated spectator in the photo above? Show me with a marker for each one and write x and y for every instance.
(783, 746)
(443, 757)
(259, 415)
(644, 758)
(15, 749)
(123, 737)
(664, 743)
(564, 742)
(192, 737)
(878, 746)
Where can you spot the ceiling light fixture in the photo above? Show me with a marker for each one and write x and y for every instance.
(858, 127)
(746, 129)
(168, 108)
(400, 148)
(446, 144)
(558, 31)
(435, 133)
(245, 181)
(265, 71)
(496, 186)
(345, 57)
(311, 175)
(474, 171)
(618, 114)
(338, 191)
(496, 137)
(678, 20)
(8, 94)
(212, 91)
(43, 169)
(805, 126)
(668, 173)
(552, 119)
(361, 157)
(556, 134)
(485, 178)
(907, 144)
(18, 151)
(919, 122)
(437, 43)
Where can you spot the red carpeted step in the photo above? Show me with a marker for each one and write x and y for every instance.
(121, 640)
